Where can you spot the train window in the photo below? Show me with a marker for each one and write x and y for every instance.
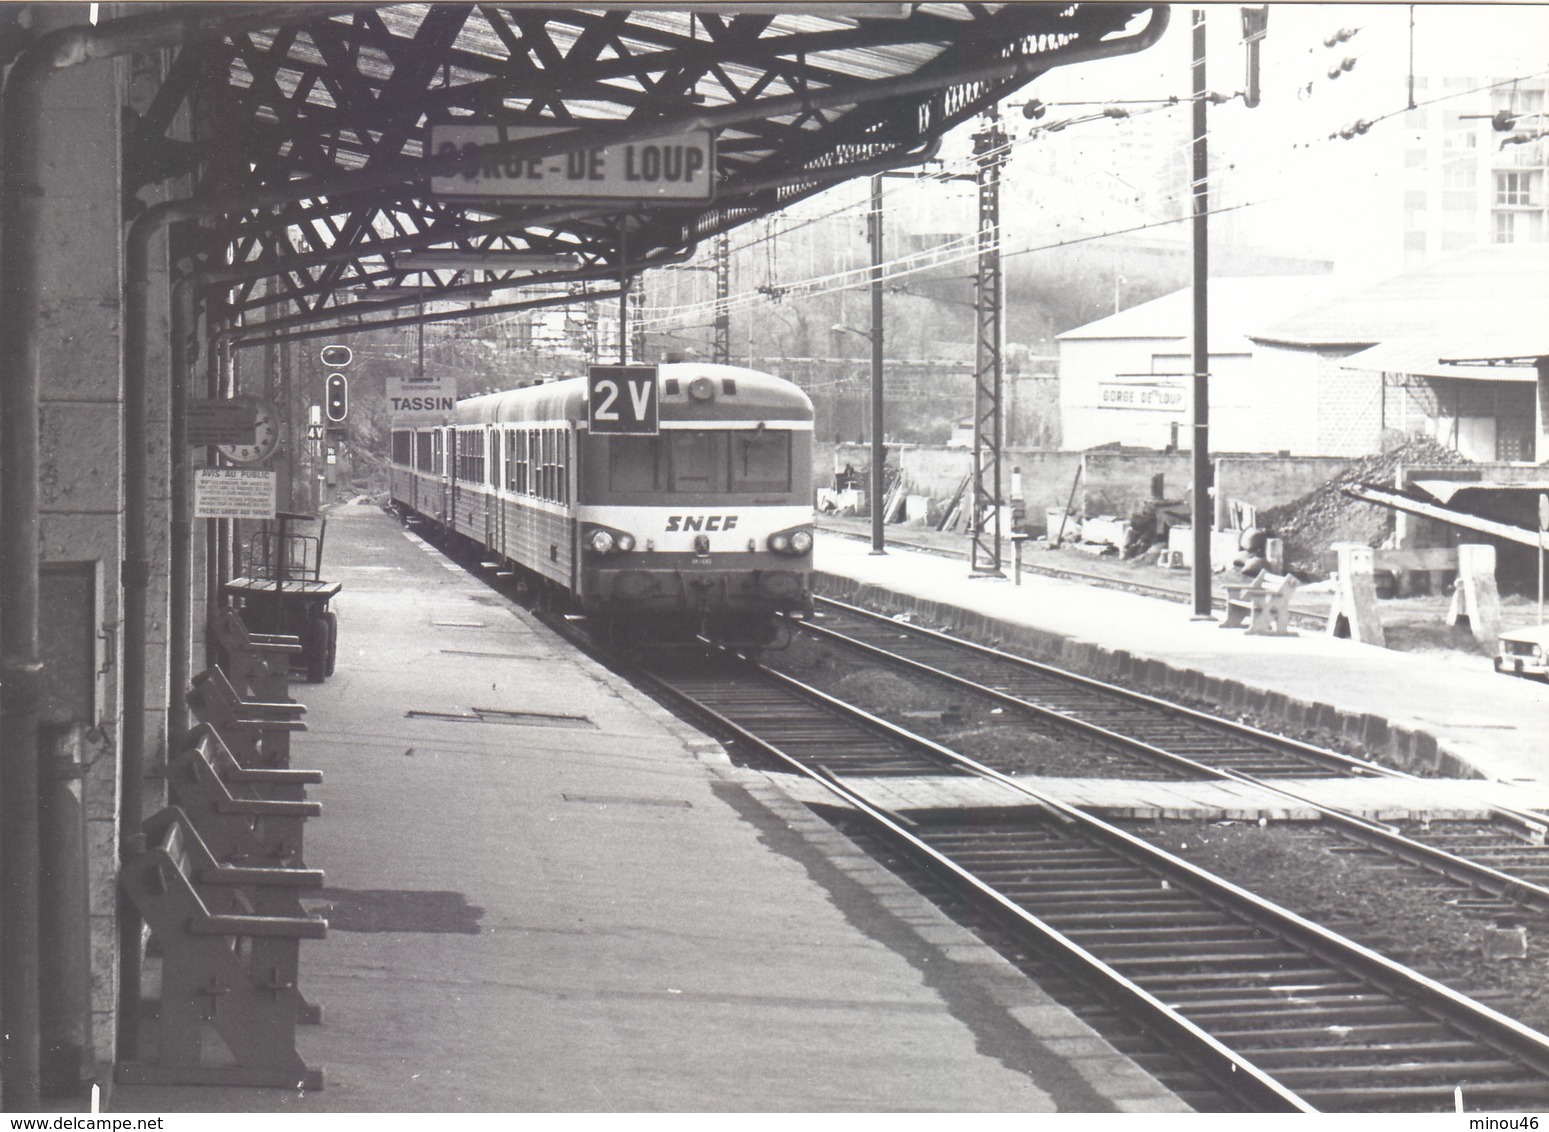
(697, 460)
(546, 484)
(761, 461)
(564, 465)
(531, 442)
(437, 452)
(423, 459)
(634, 463)
(403, 447)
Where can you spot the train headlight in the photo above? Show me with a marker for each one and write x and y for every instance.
(606, 540)
(795, 542)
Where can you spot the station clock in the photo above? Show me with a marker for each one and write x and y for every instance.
(266, 434)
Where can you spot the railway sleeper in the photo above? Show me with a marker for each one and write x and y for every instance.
(1285, 992)
(1070, 922)
(1253, 1040)
(1157, 981)
(1240, 1007)
(1216, 961)
(1337, 1014)
(1509, 1094)
(1088, 937)
(1452, 1072)
(1165, 952)
(1298, 1055)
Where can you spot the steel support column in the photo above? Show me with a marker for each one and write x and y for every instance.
(1204, 512)
(722, 295)
(984, 518)
(878, 437)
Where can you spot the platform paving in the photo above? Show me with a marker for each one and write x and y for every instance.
(1414, 711)
(547, 894)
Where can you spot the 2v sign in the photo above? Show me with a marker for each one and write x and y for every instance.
(622, 400)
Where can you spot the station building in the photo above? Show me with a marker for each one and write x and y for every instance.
(1299, 366)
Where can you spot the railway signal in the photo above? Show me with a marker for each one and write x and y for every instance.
(337, 397)
(336, 387)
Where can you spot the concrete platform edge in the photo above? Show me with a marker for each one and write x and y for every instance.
(1411, 749)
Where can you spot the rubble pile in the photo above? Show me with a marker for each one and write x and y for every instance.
(1312, 524)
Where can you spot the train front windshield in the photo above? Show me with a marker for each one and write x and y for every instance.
(701, 462)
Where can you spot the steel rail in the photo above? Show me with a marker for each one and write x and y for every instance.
(1410, 990)
(1319, 756)
(1324, 943)
(1418, 992)
(1531, 826)
(1224, 1068)
(1385, 838)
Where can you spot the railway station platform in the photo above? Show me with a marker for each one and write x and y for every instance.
(546, 894)
(1416, 712)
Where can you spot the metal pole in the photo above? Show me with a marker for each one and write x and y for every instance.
(180, 488)
(984, 556)
(878, 447)
(722, 296)
(624, 320)
(1202, 516)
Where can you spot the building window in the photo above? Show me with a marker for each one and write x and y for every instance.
(1513, 188)
(1459, 175)
(1505, 227)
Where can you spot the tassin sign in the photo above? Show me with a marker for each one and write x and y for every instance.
(680, 167)
(430, 401)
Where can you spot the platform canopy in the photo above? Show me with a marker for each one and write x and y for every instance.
(334, 146)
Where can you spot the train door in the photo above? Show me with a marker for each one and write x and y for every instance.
(570, 489)
(449, 478)
(495, 510)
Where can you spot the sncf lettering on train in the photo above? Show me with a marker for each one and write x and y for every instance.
(701, 522)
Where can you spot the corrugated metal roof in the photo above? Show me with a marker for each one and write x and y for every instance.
(1420, 356)
(1238, 306)
(1490, 294)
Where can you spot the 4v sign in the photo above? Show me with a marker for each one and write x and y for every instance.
(622, 400)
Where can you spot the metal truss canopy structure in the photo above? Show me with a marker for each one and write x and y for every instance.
(310, 139)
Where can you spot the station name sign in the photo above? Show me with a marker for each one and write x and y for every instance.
(679, 167)
(428, 401)
(1166, 398)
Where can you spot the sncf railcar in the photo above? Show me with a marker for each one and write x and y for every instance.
(704, 528)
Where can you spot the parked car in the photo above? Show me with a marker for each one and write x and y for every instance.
(1524, 652)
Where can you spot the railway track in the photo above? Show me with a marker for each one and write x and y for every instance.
(1506, 861)
(1276, 1012)
(1306, 619)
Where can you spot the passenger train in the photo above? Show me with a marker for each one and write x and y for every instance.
(704, 528)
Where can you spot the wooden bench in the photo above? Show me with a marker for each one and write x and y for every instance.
(1264, 604)
(245, 815)
(257, 731)
(257, 663)
(225, 968)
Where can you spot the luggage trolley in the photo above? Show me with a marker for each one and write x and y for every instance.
(283, 591)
